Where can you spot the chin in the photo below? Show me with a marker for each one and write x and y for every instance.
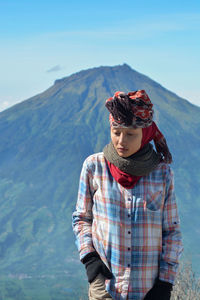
(123, 155)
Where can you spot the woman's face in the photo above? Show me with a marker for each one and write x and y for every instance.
(126, 141)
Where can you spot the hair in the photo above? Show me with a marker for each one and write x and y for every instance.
(121, 109)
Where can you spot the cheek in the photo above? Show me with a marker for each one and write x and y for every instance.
(113, 138)
(136, 144)
(139, 144)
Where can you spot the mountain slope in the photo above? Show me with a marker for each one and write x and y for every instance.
(44, 141)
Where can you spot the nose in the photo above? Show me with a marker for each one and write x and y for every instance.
(122, 139)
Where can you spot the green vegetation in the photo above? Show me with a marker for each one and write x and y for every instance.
(44, 288)
(44, 141)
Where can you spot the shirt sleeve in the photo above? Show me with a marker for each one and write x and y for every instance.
(171, 234)
(82, 216)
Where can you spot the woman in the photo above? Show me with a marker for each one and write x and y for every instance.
(126, 221)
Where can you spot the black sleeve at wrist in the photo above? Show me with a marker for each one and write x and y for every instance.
(89, 256)
(94, 265)
(164, 284)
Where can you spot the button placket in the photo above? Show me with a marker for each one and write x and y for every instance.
(128, 204)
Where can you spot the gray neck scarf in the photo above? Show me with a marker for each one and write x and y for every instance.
(139, 164)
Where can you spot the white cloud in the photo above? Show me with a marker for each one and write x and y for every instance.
(55, 69)
(4, 105)
(134, 28)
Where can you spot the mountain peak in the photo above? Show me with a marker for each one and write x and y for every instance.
(123, 68)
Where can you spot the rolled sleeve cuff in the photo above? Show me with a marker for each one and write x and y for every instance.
(168, 274)
(84, 251)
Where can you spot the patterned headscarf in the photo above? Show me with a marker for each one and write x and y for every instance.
(134, 110)
(130, 110)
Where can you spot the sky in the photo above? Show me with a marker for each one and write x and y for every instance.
(41, 41)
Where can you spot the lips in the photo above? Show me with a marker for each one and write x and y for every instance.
(122, 149)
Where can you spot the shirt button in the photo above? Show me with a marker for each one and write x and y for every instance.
(129, 265)
(129, 215)
(129, 249)
(129, 232)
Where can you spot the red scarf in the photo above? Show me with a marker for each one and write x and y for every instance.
(126, 180)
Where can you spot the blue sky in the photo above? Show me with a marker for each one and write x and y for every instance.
(41, 41)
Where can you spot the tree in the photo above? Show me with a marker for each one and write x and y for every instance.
(187, 285)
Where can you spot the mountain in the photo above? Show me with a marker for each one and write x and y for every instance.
(44, 141)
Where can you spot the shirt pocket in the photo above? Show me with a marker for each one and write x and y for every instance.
(154, 200)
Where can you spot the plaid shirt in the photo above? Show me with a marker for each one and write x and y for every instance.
(135, 231)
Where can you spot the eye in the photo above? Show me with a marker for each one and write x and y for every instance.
(133, 134)
(117, 133)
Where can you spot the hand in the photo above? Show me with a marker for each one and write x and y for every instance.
(94, 266)
(160, 291)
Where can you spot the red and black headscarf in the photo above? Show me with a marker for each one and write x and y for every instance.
(134, 110)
